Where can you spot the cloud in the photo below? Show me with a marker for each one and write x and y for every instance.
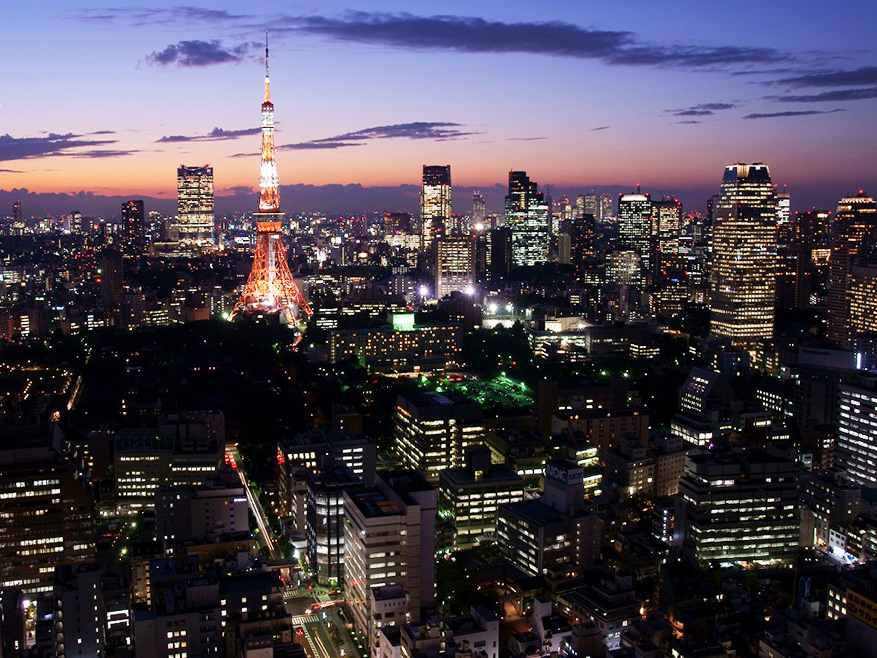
(238, 189)
(11, 171)
(831, 96)
(435, 130)
(22, 148)
(790, 113)
(553, 38)
(525, 139)
(214, 135)
(198, 53)
(601, 128)
(107, 153)
(171, 15)
(690, 121)
(866, 75)
(701, 110)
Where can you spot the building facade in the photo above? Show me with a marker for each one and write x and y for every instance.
(743, 286)
(195, 222)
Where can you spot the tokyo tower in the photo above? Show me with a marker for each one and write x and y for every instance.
(270, 288)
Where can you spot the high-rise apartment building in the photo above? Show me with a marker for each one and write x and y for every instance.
(635, 231)
(435, 203)
(737, 507)
(454, 264)
(133, 227)
(526, 214)
(389, 539)
(195, 207)
(743, 285)
(80, 615)
(853, 239)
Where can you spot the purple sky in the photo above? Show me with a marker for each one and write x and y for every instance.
(111, 97)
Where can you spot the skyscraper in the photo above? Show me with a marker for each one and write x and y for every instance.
(606, 206)
(133, 227)
(667, 225)
(853, 238)
(454, 264)
(435, 203)
(195, 207)
(479, 211)
(583, 247)
(635, 231)
(590, 207)
(526, 214)
(16, 212)
(743, 286)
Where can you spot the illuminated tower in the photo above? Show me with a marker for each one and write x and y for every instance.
(270, 288)
(435, 203)
(635, 231)
(526, 214)
(743, 285)
(133, 227)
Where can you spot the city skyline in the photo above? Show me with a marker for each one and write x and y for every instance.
(792, 89)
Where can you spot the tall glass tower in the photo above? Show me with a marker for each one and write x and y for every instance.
(195, 206)
(743, 285)
(435, 203)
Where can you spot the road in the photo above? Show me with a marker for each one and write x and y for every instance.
(255, 506)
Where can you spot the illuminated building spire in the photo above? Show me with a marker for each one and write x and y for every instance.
(269, 196)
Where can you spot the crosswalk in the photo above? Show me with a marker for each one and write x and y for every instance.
(305, 619)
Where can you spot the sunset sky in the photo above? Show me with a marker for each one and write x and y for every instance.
(111, 97)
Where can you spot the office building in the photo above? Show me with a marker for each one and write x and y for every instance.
(479, 212)
(389, 537)
(432, 430)
(16, 212)
(133, 227)
(435, 203)
(325, 521)
(306, 453)
(36, 485)
(186, 449)
(402, 343)
(526, 214)
(853, 240)
(606, 207)
(668, 226)
(499, 246)
(635, 232)
(554, 530)
(738, 507)
(590, 205)
(743, 285)
(206, 512)
(454, 265)
(856, 443)
(195, 223)
(828, 499)
(583, 247)
(470, 496)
